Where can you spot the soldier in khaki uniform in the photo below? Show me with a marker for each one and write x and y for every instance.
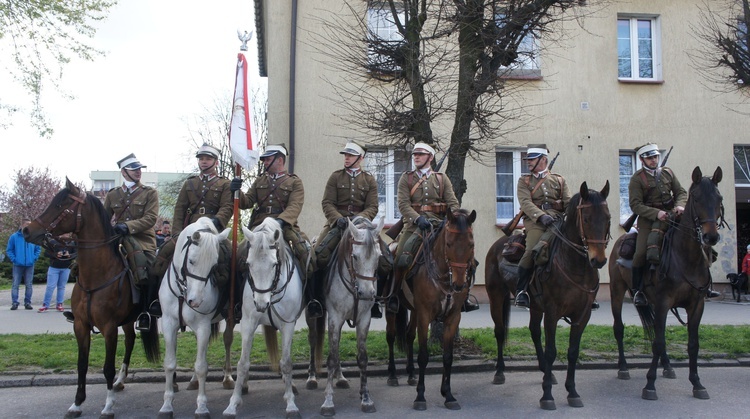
(203, 195)
(543, 197)
(349, 192)
(134, 208)
(654, 193)
(424, 198)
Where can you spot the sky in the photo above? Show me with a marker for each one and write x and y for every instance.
(166, 61)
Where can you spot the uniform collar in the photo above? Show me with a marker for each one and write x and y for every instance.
(275, 176)
(425, 172)
(208, 177)
(541, 175)
(353, 172)
(132, 188)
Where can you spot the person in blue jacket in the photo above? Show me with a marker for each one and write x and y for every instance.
(23, 256)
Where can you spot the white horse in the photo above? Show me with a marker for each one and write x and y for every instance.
(272, 297)
(351, 287)
(190, 297)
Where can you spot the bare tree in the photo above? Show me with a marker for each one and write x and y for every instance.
(447, 62)
(723, 58)
(32, 190)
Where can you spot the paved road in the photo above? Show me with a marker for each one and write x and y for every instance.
(603, 395)
(31, 322)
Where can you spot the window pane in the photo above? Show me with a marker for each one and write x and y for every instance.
(376, 162)
(644, 29)
(623, 29)
(742, 165)
(626, 172)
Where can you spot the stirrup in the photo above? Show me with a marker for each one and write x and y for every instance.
(522, 299)
(392, 306)
(69, 316)
(375, 312)
(639, 299)
(155, 309)
(143, 323)
(314, 309)
(470, 305)
(594, 305)
(712, 294)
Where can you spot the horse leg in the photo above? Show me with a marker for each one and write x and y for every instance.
(312, 371)
(390, 338)
(334, 365)
(202, 336)
(110, 344)
(228, 381)
(535, 328)
(169, 324)
(694, 321)
(247, 329)
(449, 332)
(668, 371)
(547, 402)
(420, 403)
(574, 345)
(617, 294)
(500, 311)
(83, 336)
(129, 332)
(657, 349)
(287, 334)
(367, 404)
(411, 334)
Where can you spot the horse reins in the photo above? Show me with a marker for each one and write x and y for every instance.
(273, 288)
(182, 276)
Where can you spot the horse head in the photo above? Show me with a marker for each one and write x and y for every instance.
(361, 242)
(267, 258)
(704, 208)
(592, 222)
(459, 247)
(196, 255)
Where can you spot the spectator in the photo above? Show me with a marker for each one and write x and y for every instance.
(23, 256)
(57, 274)
(746, 262)
(164, 234)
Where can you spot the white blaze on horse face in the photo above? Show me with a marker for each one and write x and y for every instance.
(365, 264)
(262, 259)
(202, 254)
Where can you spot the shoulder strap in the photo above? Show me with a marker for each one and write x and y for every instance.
(440, 184)
(416, 186)
(644, 179)
(536, 186)
(130, 201)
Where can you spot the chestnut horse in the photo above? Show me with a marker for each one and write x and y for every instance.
(439, 288)
(102, 297)
(682, 277)
(564, 288)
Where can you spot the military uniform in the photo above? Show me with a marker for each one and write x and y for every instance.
(202, 196)
(348, 196)
(551, 197)
(138, 208)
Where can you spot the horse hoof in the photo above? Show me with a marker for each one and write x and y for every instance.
(293, 415)
(669, 374)
(368, 408)
(228, 416)
(499, 379)
(107, 416)
(71, 415)
(311, 384)
(228, 385)
(165, 415)
(328, 411)
(245, 390)
(392, 382)
(623, 375)
(420, 405)
(701, 394)
(205, 415)
(412, 381)
(118, 387)
(649, 394)
(342, 384)
(575, 402)
(175, 388)
(193, 385)
(452, 405)
(547, 404)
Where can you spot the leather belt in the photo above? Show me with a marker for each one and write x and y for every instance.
(551, 205)
(201, 211)
(437, 208)
(270, 210)
(354, 209)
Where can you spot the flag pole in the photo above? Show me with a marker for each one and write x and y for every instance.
(235, 224)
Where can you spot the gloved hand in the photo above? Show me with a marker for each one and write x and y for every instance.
(342, 222)
(281, 222)
(122, 229)
(217, 224)
(422, 223)
(235, 184)
(546, 220)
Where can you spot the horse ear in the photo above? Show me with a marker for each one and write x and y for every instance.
(584, 191)
(451, 218)
(472, 216)
(71, 186)
(276, 235)
(351, 227)
(717, 175)
(379, 227)
(697, 174)
(196, 236)
(605, 190)
(246, 231)
(225, 234)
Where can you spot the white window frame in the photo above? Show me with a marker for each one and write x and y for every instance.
(380, 22)
(518, 170)
(741, 163)
(635, 163)
(380, 162)
(635, 57)
(528, 64)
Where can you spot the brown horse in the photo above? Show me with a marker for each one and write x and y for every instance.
(564, 288)
(102, 298)
(439, 288)
(683, 276)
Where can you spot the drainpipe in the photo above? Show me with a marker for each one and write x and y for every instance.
(292, 85)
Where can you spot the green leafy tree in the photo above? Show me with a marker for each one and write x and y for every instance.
(38, 38)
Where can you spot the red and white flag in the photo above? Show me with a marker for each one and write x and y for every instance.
(243, 140)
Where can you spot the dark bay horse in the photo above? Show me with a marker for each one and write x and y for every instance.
(102, 298)
(564, 288)
(437, 292)
(683, 276)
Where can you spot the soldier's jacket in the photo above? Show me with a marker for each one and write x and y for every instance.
(347, 196)
(428, 193)
(646, 199)
(138, 209)
(201, 197)
(550, 198)
(279, 196)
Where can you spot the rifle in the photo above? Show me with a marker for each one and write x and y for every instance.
(628, 224)
(508, 229)
(395, 229)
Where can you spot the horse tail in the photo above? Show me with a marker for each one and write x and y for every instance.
(215, 332)
(401, 325)
(272, 347)
(646, 313)
(150, 339)
(320, 331)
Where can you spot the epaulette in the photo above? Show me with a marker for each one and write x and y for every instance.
(192, 176)
(112, 189)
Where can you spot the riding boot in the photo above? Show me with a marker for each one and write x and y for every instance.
(375, 312)
(393, 304)
(471, 303)
(154, 308)
(639, 299)
(314, 292)
(524, 277)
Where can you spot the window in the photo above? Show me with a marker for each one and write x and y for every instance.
(384, 37)
(742, 165)
(103, 186)
(638, 49)
(508, 169)
(628, 164)
(527, 63)
(387, 166)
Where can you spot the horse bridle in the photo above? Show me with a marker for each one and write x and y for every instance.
(76, 207)
(184, 274)
(276, 274)
(451, 265)
(698, 222)
(582, 249)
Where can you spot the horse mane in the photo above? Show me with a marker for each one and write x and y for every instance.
(595, 198)
(97, 207)
(269, 226)
(208, 241)
(461, 218)
(342, 250)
